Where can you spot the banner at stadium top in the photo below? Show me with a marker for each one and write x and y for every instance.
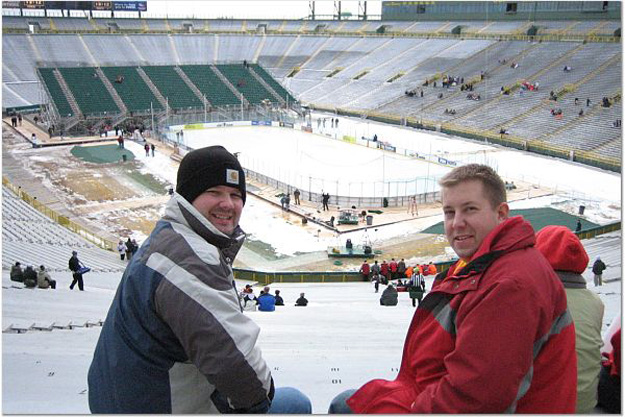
(131, 6)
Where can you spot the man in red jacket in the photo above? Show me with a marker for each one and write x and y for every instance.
(494, 334)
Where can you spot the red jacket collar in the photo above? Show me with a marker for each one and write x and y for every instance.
(514, 233)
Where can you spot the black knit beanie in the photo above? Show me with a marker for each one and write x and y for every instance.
(209, 167)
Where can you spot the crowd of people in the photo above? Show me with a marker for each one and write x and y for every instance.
(265, 300)
(40, 277)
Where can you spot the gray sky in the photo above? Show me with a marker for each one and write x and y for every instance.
(258, 9)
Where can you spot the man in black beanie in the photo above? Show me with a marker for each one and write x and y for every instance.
(175, 339)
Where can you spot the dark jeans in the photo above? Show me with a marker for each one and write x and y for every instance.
(288, 400)
(77, 279)
(609, 392)
(338, 404)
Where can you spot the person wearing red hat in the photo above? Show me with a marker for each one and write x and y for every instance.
(569, 259)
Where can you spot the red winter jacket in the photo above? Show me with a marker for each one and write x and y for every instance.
(384, 269)
(364, 269)
(393, 266)
(494, 337)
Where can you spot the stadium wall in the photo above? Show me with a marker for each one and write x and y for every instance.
(500, 11)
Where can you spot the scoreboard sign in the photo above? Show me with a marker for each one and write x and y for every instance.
(32, 4)
(102, 5)
(130, 6)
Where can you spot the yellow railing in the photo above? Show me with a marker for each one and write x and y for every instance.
(62, 220)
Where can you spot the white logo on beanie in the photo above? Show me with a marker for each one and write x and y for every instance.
(232, 176)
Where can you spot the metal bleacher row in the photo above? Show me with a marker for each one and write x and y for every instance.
(31, 238)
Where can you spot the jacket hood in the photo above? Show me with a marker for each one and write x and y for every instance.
(180, 210)
(562, 248)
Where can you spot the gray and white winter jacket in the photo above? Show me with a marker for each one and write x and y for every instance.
(175, 339)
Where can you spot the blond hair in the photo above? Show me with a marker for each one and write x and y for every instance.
(494, 187)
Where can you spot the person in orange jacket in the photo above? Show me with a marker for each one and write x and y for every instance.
(432, 269)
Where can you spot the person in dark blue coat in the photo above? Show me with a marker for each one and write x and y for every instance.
(266, 301)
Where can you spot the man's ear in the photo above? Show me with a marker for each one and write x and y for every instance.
(503, 211)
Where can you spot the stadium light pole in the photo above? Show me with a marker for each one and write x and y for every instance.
(152, 117)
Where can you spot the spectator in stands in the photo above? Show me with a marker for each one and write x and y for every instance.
(412, 206)
(175, 321)
(569, 259)
(129, 249)
(152, 148)
(279, 299)
(587, 102)
(567, 68)
(578, 226)
(296, 195)
(266, 301)
(135, 246)
(325, 200)
(365, 270)
(401, 268)
(610, 377)
(416, 288)
(14, 121)
(432, 269)
(454, 362)
(247, 295)
(576, 101)
(16, 273)
(19, 118)
(30, 277)
(597, 268)
(385, 272)
(301, 301)
(389, 296)
(44, 280)
(392, 266)
(121, 248)
(75, 266)
(375, 268)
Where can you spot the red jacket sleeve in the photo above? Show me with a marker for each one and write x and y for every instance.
(493, 352)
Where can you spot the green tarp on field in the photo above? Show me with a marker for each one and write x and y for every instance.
(538, 217)
(102, 154)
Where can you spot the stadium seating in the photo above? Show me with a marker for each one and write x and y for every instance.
(173, 87)
(321, 69)
(272, 83)
(62, 105)
(133, 91)
(89, 91)
(217, 93)
(31, 238)
(244, 82)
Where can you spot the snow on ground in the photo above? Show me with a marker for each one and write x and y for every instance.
(341, 340)
(599, 191)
